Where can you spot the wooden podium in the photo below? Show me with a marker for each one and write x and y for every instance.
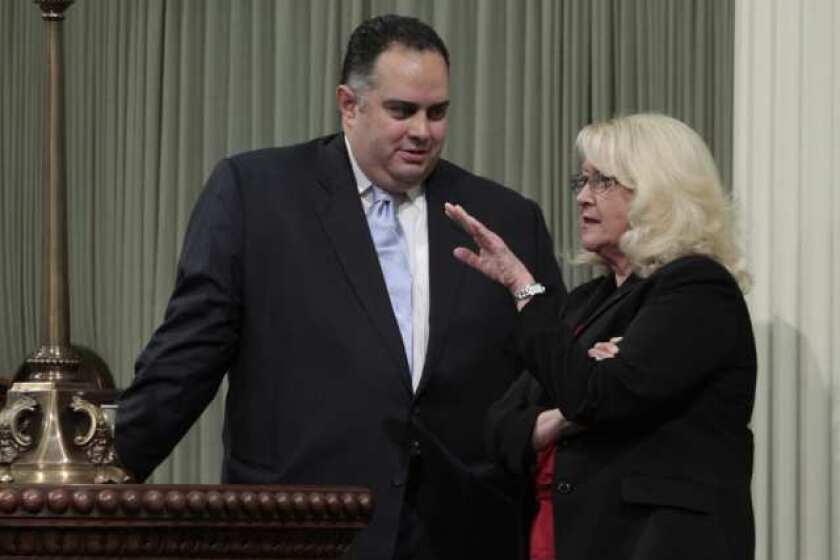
(169, 522)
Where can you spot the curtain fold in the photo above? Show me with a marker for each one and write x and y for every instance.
(787, 159)
(158, 91)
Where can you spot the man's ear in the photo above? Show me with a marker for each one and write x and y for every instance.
(348, 103)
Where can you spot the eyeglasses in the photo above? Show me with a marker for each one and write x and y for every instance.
(598, 184)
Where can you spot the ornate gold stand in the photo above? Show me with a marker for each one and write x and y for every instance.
(49, 454)
(56, 440)
(53, 429)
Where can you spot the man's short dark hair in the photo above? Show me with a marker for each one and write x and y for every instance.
(376, 35)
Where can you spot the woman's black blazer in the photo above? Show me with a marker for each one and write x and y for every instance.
(663, 464)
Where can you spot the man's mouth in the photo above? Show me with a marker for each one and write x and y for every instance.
(413, 156)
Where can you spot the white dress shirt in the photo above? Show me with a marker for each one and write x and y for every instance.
(411, 213)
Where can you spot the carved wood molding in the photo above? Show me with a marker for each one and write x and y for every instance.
(149, 521)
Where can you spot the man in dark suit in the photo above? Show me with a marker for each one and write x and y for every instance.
(344, 368)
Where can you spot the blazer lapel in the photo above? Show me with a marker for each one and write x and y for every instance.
(343, 218)
(445, 272)
(618, 294)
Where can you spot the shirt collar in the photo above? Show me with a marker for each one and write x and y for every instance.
(363, 184)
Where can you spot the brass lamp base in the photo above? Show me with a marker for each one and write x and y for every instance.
(57, 433)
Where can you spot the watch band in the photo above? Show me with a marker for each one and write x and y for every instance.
(529, 291)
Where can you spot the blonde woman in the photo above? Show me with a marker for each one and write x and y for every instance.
(634, 422)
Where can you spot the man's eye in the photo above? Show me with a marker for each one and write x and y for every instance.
(437, 113)
(401, 112)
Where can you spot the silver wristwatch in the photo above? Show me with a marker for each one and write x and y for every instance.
(529, 291)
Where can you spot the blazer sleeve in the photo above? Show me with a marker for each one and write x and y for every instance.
(688, 326)
(182, 366)
(510, 420)
(510, 423)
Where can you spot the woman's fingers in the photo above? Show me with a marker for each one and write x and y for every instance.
(494, 259)
(547, 428)
(467, 257)
(486, 239)
(460, 216)
(604, 350)
(597, 355)
(483, 237)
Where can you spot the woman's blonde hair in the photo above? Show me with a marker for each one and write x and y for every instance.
(679, 207)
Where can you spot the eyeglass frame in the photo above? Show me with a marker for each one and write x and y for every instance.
(599, 184)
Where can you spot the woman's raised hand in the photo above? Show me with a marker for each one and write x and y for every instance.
(494, 259)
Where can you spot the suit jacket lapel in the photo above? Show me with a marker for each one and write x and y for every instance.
(445, 272)
(343, 218)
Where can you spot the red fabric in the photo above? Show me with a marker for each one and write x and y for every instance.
(542, 530)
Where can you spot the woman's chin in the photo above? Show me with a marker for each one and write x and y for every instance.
(590, 245)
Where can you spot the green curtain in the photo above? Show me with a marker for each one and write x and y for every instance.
(157, 91)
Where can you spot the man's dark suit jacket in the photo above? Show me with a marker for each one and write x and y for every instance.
(663, 465)
(279, 283)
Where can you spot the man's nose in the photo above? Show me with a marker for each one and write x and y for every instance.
(419, 128)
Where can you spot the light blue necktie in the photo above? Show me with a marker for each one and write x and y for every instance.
(392, 251)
